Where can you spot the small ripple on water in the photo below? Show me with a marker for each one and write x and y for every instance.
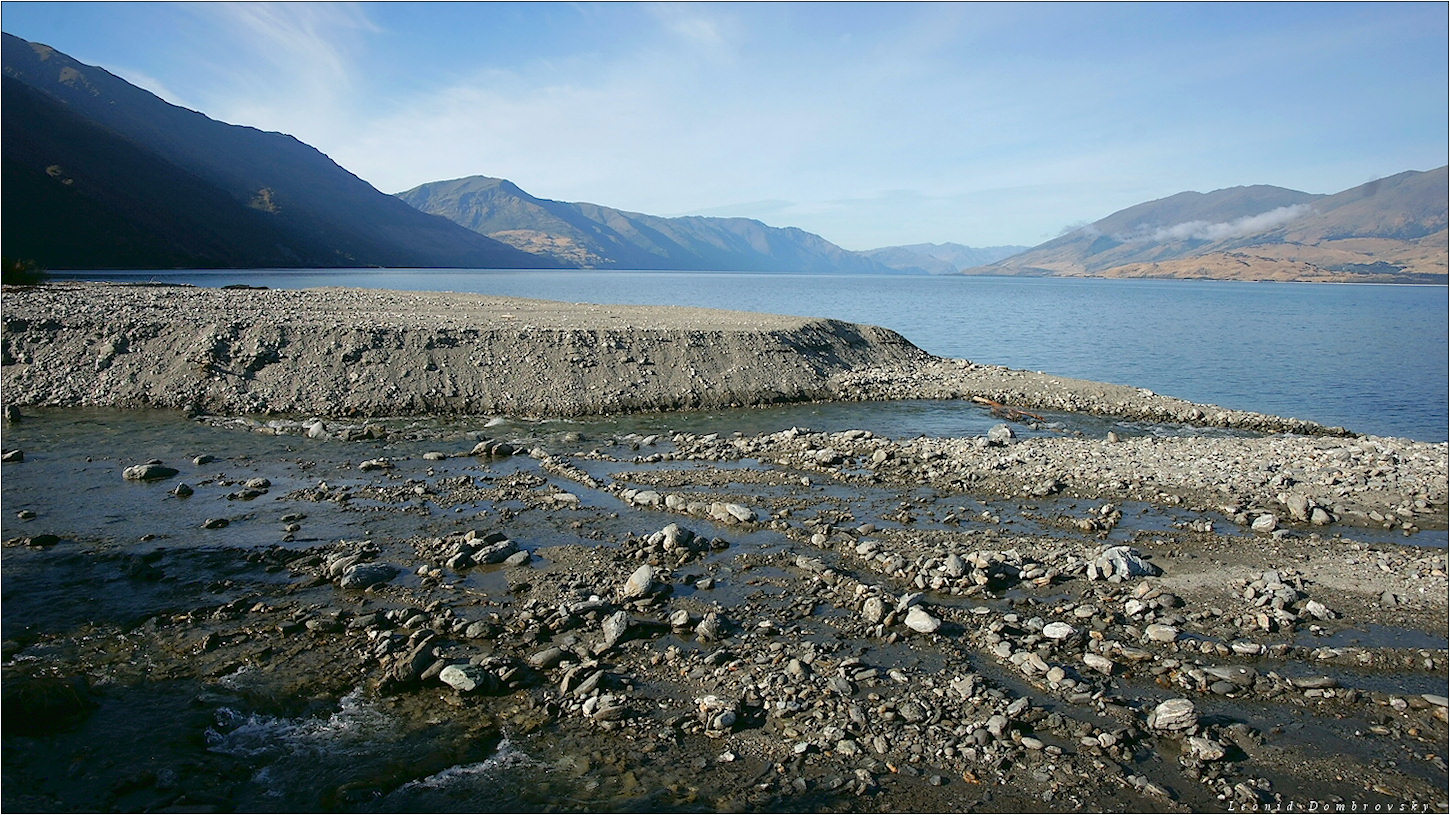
(507, 757)
(254, 735)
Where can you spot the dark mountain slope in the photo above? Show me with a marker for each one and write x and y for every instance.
(317, 211)
(78, 196)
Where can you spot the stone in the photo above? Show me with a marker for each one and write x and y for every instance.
(1298, 505)
(1099, 663)
(740, 513)
(1173, 715)
(674, 536)
(519, 558)
(493, 448)
(997, 725)
(1058, 631)
(215, 523)
(547, 658)
(12, 455)
(1318, 610)
(917, 619)
(478, 630)
(954, 566)
(1320, 517)
(467, 678)
(710, 628)
(496, 552)
(1239, 675)
(1000, 434)
(1267, 522)
(873, 611)
(1127, 562)
(148, 472)
(616, 626)
(647, 498)
(1158, 632)
(639, 583)
(365, 575)
(182, 490)
(1204, 749)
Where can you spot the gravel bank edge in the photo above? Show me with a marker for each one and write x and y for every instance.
(364, 352)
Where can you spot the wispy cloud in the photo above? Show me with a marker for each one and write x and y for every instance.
(871, 124)
(294, 67)
(141, 79)
(1222, 230)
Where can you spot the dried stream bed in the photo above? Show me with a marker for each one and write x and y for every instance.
(653, 613)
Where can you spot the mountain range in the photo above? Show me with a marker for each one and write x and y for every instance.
(940, 258)
(1388, 230)
(594, 236)
(98, 173)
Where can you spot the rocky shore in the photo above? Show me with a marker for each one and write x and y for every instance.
(359, 352)
(311, 612)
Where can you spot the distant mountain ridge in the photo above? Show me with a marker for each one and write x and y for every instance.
(98, 173)
(1388, 230)
(940, 258)
(591, 235)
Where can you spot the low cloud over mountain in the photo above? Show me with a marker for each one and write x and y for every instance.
(1389, 230)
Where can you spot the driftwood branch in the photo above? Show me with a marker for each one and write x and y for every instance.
(1011, 414)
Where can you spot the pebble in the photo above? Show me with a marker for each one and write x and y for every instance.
(1204, 749)
(1172, 715)
(466, 678)
(1058, 631)
(919, 620)
(151, 471)
(365, 575)
(1161, 633)
(639, 583)
(1266, 523)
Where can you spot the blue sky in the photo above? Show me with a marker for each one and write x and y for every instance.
(870, 124)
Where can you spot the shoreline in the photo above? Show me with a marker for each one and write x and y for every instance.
(851, 624)
(358, 615)
(364, 352)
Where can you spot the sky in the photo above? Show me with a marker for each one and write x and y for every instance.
(871, 124)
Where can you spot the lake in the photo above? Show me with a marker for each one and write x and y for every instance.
(1372, 358)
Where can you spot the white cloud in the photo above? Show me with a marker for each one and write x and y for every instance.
(1223, 230)
(291, 67)
(145, 81)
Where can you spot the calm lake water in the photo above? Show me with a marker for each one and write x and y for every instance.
(1372, 358)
